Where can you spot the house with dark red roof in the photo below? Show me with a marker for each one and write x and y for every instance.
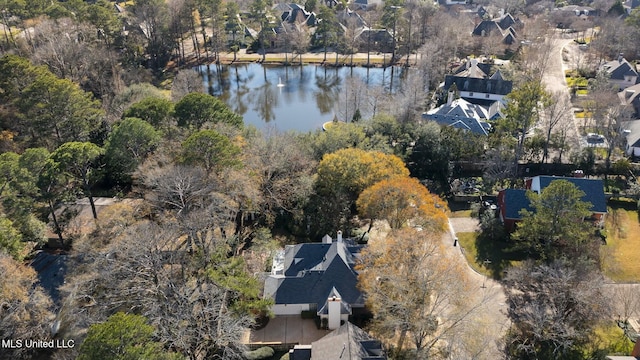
(511, 202)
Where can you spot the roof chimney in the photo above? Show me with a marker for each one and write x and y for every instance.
(327, 239)
(339, 236)
(334, 305)
(620, 57)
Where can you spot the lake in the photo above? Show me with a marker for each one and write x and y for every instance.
(298, 98)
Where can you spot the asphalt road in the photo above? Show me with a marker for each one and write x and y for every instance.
(555, 82)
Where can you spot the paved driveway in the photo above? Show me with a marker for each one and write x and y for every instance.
(492, 313)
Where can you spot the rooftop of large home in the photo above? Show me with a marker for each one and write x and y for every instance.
(312, 273)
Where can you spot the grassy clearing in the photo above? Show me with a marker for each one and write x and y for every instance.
(580, 82)
(608, 336)
(467, 241)
(460, 214)
(622, 251)
(487, 256)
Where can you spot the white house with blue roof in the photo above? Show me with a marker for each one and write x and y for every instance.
(318, 277)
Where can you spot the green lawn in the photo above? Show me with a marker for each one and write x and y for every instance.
(460, 214)
(612, 338)
(621, 254)
(487, 256)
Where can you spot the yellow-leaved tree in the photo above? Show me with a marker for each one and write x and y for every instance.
(401, 199)
(341, 177)
(352, 170)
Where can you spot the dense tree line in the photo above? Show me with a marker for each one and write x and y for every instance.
(79, 118)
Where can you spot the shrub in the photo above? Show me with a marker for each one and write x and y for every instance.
(264, 352)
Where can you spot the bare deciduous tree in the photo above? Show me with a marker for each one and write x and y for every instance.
(186, 82)
(24, 308)
(415, 291)
(554, 115)
(553, 309)
(171, 277)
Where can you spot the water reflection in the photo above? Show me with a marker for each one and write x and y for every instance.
(310, 96)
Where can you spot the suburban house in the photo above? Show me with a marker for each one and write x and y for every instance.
(375, 39)
(293, 18)
(318, 277)
(473, 83)
(621, 73)
(461, 114)
(346, 342)
(452, 2)
(296, 14)
(629, 5)
(512, 201)
(630, 96)
(504, 26)
(632, 134)
(239, 33)
(367, 4)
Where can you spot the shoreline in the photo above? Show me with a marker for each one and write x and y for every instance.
(376, 60)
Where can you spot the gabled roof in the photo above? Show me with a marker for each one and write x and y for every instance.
(630, 96)
(633, 136)
(490, 86)
(618, 69)
(461, 114)
(474, 71)
(295, 13)
(347, 342)
(593, 190)
(505, 21)
(347, 15)
(497, 76)
(468, 63)
(632, 4)
(515, 200)
(484, 28)
(315, 271)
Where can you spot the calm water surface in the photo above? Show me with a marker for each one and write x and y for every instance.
(291, 98)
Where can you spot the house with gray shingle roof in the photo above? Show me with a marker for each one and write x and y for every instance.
(632, 134)
(317, 277)
(629, 5)
(631, 97)
(473, 83)
(512, 201)
(505, 26)
(622, 74)
(462, 114)
(346, 342)
(367, 4)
